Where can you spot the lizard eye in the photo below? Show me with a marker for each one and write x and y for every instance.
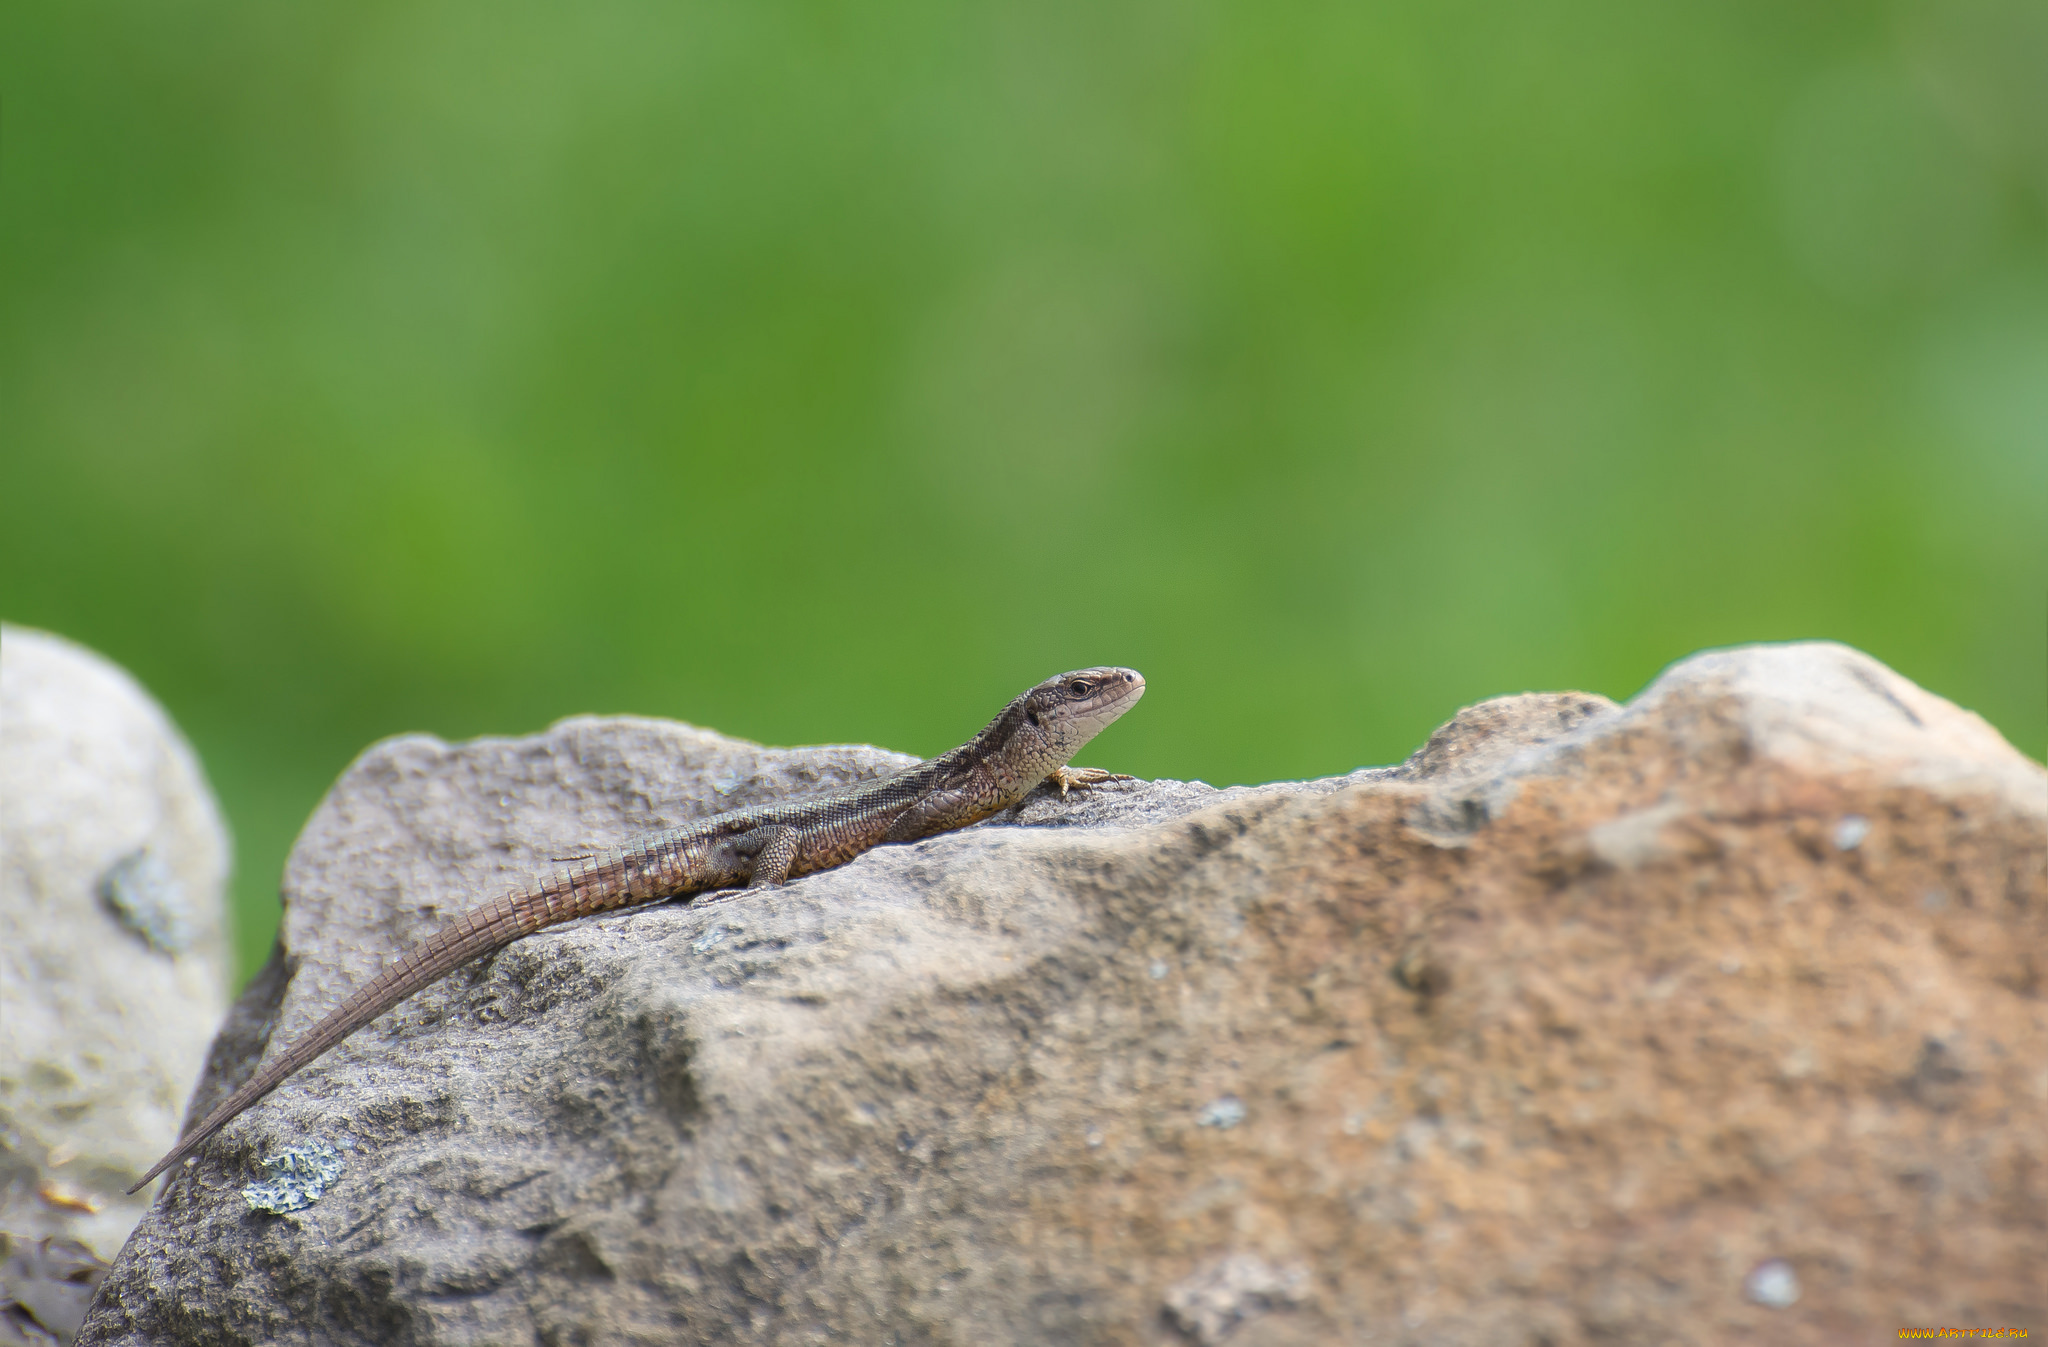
(1079, 688)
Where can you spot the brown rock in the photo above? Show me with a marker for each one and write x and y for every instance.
(1715, 1017)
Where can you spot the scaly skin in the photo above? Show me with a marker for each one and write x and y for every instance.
(1029, 742)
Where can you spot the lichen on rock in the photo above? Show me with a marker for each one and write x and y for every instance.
(294, 1179)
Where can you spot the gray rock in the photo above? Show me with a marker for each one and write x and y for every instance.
(113, 966)
(44, 1288)
(1490, 1072)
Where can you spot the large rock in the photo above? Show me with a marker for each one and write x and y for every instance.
(113, 968)
(1716, 1017)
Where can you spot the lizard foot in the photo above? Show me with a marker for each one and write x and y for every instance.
(1068, 778)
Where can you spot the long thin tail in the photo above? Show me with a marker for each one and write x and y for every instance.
(599, 887)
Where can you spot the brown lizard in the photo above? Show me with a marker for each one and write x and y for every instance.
(1029, 743)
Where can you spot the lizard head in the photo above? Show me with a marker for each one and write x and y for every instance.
(1075, 707)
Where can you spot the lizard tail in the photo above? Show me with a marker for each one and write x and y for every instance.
(475, 933)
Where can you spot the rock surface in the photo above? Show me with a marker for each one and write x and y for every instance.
(1715, 1017)
(112, 970)
(45, 1286)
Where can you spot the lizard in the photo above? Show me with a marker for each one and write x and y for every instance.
(762, 846)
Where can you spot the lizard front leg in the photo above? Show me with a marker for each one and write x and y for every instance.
(1070, 778)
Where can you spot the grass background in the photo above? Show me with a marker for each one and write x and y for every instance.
(822, 372)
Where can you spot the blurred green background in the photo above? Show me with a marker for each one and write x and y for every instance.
(823, 372)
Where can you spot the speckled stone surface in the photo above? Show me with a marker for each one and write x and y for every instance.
(1563, 1031)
